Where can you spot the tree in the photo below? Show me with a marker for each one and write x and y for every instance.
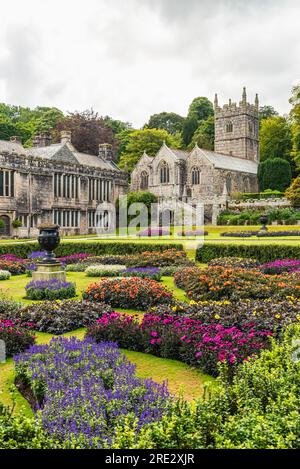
(88, 131)
(169, 121)
(116, 125)
(149, 140)
(204, 136)
(189, 128)
(295, 120)
(265, 112)
(275, 139)
(274, 174)
(200, 109)
(293, 192)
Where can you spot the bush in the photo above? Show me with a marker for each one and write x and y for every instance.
(61, 316)
(182, 276)
(104, 270)
(263, 253)
(53, 289)
(74, 258)
(97, 248)
(16, 338)
(216, 283)
(154, 232)
(130, 292)
(143, 272)
(280, 266)
(14, 267)
(94, 387)
(275, 174)
(235, 262)
(5, 275)
(182, 338)
(171, 257)
(293, 192)
(259, 410)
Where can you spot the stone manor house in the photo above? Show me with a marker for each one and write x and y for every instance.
(57, 184)
(203, 175)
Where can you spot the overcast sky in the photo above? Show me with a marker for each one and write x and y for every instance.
(133, 58)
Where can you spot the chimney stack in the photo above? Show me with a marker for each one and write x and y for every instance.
(42, 140)
(106, 152)
(65, 136)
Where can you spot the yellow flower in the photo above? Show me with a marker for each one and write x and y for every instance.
(192, 302)
(217, 316)
(174, 308)
(277, 316)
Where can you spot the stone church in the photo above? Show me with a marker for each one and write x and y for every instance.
(203, 175)
(56, 183)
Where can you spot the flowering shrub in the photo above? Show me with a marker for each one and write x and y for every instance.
(11, 257)
(217, 283)
(5, 275)
(183, 338)
(12, 266)
(268, 314)
(60, 316)
(280, 266)
(16, 338)
(235, 262)
(130, 292)
(93, 386)
(74, 258)
(143, 272)
(75, 267)
(155, 231)
(181, 277)
(37, 255)
(158, 259)
(104, 270)
(53, 289)
(8, 308)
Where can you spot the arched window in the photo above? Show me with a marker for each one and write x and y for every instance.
(144, 180)
(164, 173)
(229, 127)
(196, 176)
(228, 184)
(250, 127)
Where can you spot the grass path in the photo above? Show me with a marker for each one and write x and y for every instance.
(182, 379)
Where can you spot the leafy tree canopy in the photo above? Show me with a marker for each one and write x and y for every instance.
(293, 192)
(275, 138)
(204, 136)
(265, 112)
(274, 174)
(200, 109)
(149, 140)
(169, 121)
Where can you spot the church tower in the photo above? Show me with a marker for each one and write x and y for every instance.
(237, 128)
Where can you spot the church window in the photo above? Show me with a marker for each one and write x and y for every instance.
(250, 126)
(228, 184)
(66, 218)
(196, 176)
(144, 180)
(164, 173)
(7, 183)
(229, 127)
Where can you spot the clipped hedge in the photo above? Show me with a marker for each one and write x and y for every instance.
(97, 248)
(263, 253)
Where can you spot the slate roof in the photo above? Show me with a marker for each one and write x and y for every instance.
(11, 147)
(55, 151)
(230, 162)
(180, 153)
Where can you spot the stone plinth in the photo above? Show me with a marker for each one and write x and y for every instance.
(49, 271)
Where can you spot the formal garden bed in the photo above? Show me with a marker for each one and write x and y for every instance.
(230, 323)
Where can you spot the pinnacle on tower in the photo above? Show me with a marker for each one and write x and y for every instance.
(244, 98)
(256, 102)
(216, 101)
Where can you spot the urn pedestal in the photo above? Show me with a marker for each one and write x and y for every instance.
(48, 271)
(49, 267)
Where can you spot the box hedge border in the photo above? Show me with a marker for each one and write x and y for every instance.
(263, 252)
(95, 248)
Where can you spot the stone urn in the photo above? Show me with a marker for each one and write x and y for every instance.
(49, 267)
(48, 240)
(263, 220)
